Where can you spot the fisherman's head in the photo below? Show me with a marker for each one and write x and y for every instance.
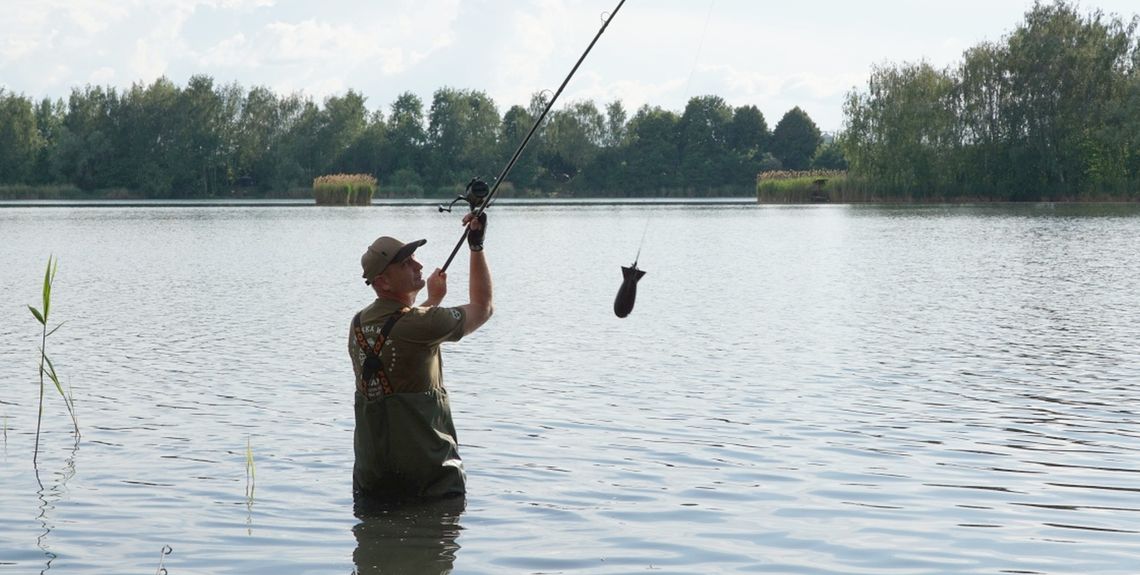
(390, 265)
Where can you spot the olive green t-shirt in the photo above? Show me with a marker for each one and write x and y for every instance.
(410, 355)
(405, 443)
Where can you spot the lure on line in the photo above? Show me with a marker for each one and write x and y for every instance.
(630, 275)
(627, 293)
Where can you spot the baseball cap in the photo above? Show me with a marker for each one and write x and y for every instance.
(385, 250)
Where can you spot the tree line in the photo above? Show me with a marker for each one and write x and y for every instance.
(1050, 113)
(205, 140)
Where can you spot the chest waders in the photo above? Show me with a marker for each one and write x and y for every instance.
(405, 443)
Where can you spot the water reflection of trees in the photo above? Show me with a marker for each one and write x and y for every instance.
(413, 537)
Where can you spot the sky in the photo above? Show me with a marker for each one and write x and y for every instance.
(773, 55)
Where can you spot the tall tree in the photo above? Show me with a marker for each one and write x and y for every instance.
(20, 140)
(616, 118)
(984, 94)
(703, 144)
(572, 140)
(795, 139)
(1064, 71)
(49, 125)
(86, 152)
(462, 133)
(407, 137)
(198, 163)
(516, 123)
(917, 128)
(748, 138)
(652, 163)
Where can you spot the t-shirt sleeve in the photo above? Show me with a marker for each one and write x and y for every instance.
(433, 325)
(354, 351)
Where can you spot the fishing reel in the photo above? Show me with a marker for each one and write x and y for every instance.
(475, 194)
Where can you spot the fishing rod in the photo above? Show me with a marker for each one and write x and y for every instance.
(478, 194)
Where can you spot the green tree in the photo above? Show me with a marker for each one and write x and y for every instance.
(909, 135)
(20, 140)
(365, 153)
(49, 125)
(652, 159)
(339, 124)
(795, 139)
(748, 139)
(829, 156)
(302, 158)
(517, 121)
(199, 163)
(407, 137)
(462, 133)
(703, 144)
(984, 94)
(86, 154)
(571, 141)
(616, 119)
(257, 139)
(1064, 71)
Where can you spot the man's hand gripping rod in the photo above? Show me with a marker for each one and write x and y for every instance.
(482, 207)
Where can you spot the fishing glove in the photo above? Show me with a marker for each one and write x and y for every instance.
(475, 237)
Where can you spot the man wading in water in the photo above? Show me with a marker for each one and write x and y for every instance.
(405, 441)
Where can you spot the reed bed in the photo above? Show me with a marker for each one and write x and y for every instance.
(344, 189)
(832, 186)
(802, 187)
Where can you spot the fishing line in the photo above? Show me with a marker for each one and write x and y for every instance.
(700, 47)
(627, 293)
(484, 201)
(642, 244)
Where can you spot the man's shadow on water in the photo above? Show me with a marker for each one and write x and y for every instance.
(412, 537)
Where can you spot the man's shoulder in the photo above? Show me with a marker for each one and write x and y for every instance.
(430, 323)
(377, 312)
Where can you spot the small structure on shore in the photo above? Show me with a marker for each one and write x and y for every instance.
(344, 189)
(818, 194)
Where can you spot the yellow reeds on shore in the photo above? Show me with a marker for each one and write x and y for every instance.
(344, 189)
(795, 175)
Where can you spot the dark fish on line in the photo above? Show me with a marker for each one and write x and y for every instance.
(627, 293)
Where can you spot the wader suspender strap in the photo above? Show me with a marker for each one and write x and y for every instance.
(373, 367)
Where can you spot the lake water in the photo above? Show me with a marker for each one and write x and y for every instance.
(805, 390)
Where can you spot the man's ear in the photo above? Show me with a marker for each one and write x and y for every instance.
(380, 282)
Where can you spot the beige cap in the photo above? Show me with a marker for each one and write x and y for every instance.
(383, 251)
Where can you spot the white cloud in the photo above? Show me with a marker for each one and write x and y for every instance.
(239, 4)
(91, 16)
(102, 76)
(22, 30)
(771, 55)
(235, 51)
(311, 40)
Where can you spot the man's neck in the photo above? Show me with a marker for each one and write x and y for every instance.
(405, 300)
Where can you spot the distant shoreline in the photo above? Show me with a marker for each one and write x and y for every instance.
(519, 202)
(376, 203)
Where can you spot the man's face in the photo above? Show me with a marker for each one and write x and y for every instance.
(404, 277)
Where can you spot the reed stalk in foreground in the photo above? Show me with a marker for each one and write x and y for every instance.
(46, 367)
